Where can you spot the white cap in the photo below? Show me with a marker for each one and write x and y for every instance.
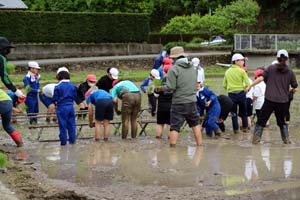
(155, 73)
(275, 62)
(33, 64)
(238, 56)
(282, 53)
(62, 69)
(114, 72)
(195, 62)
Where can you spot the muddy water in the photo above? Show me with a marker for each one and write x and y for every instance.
(225, 166)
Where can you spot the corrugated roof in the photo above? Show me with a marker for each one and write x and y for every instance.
(12, 4)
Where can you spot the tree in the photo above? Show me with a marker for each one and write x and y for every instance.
(178, 25)
(241, 13)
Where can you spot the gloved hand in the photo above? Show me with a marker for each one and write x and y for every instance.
(19, 93)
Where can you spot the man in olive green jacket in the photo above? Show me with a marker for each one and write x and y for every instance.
(182, 81)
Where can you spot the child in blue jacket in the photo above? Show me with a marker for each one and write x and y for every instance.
(207, 100)
(31, 81)
(64, 96)
(148, 87)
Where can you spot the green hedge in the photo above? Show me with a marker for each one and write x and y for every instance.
(26, 26)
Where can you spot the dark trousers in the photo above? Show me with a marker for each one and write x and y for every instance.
(279, 109)
(239, 100)
(152, 102)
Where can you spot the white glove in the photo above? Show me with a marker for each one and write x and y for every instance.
(19, 93)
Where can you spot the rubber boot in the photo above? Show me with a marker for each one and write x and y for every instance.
(17, 138)
(258, 130)
(285, 134)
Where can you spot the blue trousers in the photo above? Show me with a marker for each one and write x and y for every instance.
(212, 117)
(239, 100)
(67, 124)
(5, 111)
(32, 104)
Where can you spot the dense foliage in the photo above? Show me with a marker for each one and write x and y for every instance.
(74, 27)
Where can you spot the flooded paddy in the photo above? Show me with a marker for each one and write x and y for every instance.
(146, 168)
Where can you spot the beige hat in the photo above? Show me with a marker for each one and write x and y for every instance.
(177, 52)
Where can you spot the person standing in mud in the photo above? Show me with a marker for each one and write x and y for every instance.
(64, 96)
(6, 104)
(182, 81)
(278, 78)
(130, 95)
(235, 81)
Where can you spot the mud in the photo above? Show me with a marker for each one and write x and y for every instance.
(146, 168)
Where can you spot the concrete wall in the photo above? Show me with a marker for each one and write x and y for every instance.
(49, 51)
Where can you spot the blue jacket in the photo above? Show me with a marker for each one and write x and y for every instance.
(204, 95)
(65, 93)
(146, 83)
(33, 81)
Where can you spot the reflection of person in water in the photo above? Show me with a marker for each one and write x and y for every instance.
(68, 163)
(194, 153)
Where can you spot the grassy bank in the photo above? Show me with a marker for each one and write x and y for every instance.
(3, 160)
(132, 74)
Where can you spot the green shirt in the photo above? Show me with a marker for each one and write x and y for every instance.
(235, 79)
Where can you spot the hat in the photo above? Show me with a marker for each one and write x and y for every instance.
(238, 56)
(167, 61)
(176, 52)
(195, 62)
(258, 72)
(62, 69)
(166, 68)
(33, 64)
(114, 73)
(91, 77)
(155, 73)
(4, 43)
(21, 99)
(282, 53)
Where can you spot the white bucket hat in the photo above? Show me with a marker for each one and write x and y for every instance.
(114, 73)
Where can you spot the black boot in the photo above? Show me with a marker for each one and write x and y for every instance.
(258, 130)
(285, 134)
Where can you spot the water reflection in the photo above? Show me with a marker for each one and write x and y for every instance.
(223, 164)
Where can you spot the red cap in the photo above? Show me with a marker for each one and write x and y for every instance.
(166, 68)
(91, 77)
(167, 61)
(258, 72)
(21, 100)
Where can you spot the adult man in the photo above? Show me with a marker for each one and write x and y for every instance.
(278, 78)
(105, 82)
(235, 81)
(130, 95)
(5, 101)
(182, 80)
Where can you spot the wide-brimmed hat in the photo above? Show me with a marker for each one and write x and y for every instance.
(176, 52)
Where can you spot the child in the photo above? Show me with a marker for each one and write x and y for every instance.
(46, 97)
(226, 105)
(206, 99)
(32, 85)
(258, 93)
(148, 86)
(16, 102)
(82, 89)
(164, 102)
(104, 111)
(200, 71)
(64, 96)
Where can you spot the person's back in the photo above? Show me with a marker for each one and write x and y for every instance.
(182, 79)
